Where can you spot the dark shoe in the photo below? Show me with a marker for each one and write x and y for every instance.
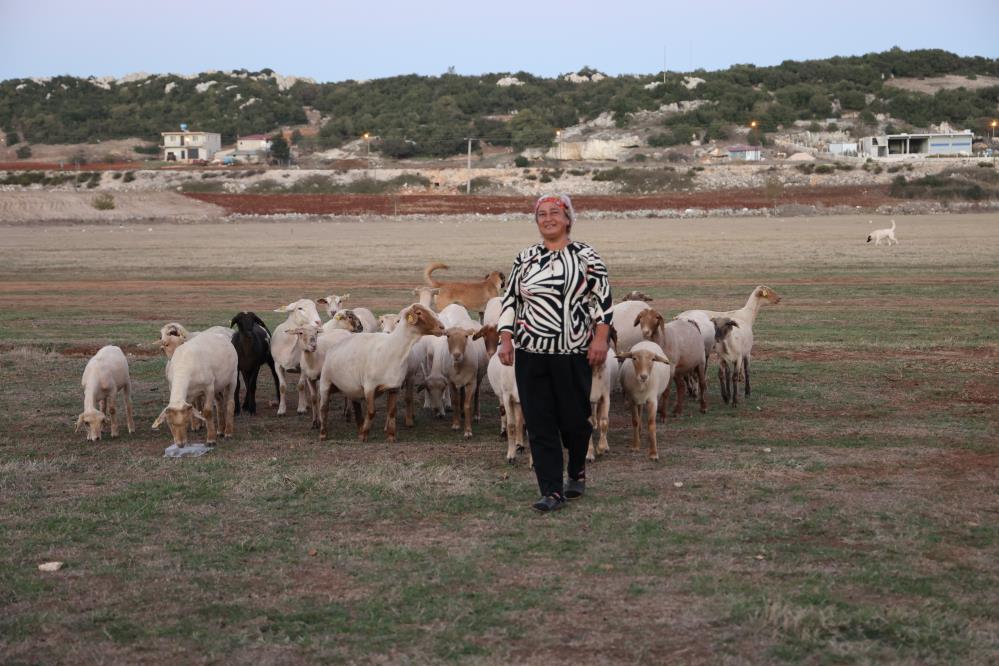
(575, 488)
(549, 503)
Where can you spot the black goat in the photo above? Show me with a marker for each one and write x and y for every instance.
(252, 341)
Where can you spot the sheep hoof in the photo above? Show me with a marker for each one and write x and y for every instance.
(654, 456)
(468, 434)
(455, 426)
(510, 461)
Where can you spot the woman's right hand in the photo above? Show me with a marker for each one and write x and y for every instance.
(505, 350)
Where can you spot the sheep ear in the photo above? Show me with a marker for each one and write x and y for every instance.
(322, 301)
(624, 356)
(638, 319)
(260, 321)
(198, 415)
(283, 308)
(410, 318)
(159, 419)
(435, 291)
(232, 322)
(479, 333)
(79, 422)
(345, 297)
(662, 358)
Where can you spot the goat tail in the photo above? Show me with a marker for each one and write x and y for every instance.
(430, 269)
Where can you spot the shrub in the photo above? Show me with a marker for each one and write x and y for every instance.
(824, 168)
(545, 178)
(637, 181)
(638, 157)
(480, 183)
(103, 201)
(578, 172)
(987, 165)
(129, 177)
(520, 161)
(12, 138)
(147, 150)
(24, 152)
(116, 175)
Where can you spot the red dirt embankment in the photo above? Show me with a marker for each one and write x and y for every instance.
(867, 196)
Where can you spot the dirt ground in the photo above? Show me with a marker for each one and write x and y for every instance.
(40, 206)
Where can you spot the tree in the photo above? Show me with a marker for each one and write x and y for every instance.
(279, 148)
(24, 152)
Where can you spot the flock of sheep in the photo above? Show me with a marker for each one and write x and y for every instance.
(433, 346)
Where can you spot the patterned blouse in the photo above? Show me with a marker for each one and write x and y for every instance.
(553, 299)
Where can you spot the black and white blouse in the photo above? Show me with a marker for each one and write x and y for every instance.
(554, 298)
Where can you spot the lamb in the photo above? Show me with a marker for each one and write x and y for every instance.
(285, 350)
(464, 365)
(387, 322)
(252, 341)
(106, 373)
(645, 375)
(314, 342)
(473, 295)
(503, 380)
(345, 320)
(623, 319)
(368, 364)
(682, 343)
(333, 303)
(887, 234)
(730, 351)
(435, 383)
(605, 378)
(203, 367)
(745, 317)
(425, 296)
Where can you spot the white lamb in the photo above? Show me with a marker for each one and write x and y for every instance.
(203, 367)
(503, 380)
(314, 342)
(285, 350)
(645, 375)
(464, 365)
(106, 373)
(605, 378)
(366, 365)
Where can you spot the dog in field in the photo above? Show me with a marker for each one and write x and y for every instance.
(879, 235)
(473, 295)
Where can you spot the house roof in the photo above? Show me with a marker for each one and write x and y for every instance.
(189, 132)
(254, 137)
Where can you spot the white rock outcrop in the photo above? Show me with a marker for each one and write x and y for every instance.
(507, 81)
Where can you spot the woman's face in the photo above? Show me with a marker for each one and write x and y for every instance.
(553, 222)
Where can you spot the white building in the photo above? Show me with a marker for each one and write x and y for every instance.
(896, 145)
(746, 153)
(252, 148)
(843, 148)
(187, 146)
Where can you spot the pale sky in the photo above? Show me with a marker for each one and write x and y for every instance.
(338, 40)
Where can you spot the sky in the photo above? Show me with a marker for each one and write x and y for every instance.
(337, 40)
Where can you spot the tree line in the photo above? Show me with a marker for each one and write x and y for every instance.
(434, 115)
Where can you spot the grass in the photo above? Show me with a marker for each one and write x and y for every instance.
(843, 513)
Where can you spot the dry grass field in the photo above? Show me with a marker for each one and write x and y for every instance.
(847, 512)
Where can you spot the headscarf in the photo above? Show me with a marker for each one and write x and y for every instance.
(563, 201)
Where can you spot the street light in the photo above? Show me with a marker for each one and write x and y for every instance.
(367, 148)
(558, 144)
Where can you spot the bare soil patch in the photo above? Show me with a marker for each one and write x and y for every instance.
(932, 84)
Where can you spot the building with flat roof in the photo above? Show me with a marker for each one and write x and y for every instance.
(186, 147)
(747, 153)
(956, 144)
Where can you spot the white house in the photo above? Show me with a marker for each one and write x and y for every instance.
(185, 146)
(252, 148)
(747, 153)
(897, 145)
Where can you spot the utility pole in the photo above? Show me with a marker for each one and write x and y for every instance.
(468, 185)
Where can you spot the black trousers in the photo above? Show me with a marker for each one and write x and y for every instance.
(555, 396)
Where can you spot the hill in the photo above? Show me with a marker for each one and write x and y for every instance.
(432, 116)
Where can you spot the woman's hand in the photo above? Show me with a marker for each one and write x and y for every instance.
(506, 348)
(598, 346)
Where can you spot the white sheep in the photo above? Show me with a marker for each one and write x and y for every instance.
(203, 367)
(387, 322)
(367, 364)
(623, 319)
(503, 380)
(464, 365)
(605, 378)
(731, 345)
(285, 350)
(106, 374)
(332, 303)
(745, 317)
(314, 342)
(682, 343)
(425, 296)
(494, 307)
(645, 375)
(173, 335)
(367, 318)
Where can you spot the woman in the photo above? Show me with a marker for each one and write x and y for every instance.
(556, 309)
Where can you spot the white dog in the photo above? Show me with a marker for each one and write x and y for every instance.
(879, 235)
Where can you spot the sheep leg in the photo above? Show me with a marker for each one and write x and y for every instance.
(455, 416)
(346, 408)
(282, 390)
(270, 363)
(369, 415)
(521, 430)
(603, 423)
(302, 395)
(408, 398)
(390, 408)
(745, 370)
(512, 433)
(636, 426)
(208, 410)
(250, 401)
(228, 408)
(723, 380)
(651, 425)
(681, 394)
(702, 385)
(470, 400)
(325, 393)
(313, 386)
(239, 375)
(503, 419)
(591, 453)
(478, 414)
(664, 401)
(113, 411)
(736, 374)
(358, 416)
(127, 391)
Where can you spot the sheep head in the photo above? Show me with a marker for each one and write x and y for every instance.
(767, 294)
(178, 418)
(490, 335)
(651, 323)
(388, 322)
(643, 360)
(301, 312)
(422, 319)
(348, 321)
(333, 303)
(723, 326)
(457, 342)
(308, 337)
(94, 420)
